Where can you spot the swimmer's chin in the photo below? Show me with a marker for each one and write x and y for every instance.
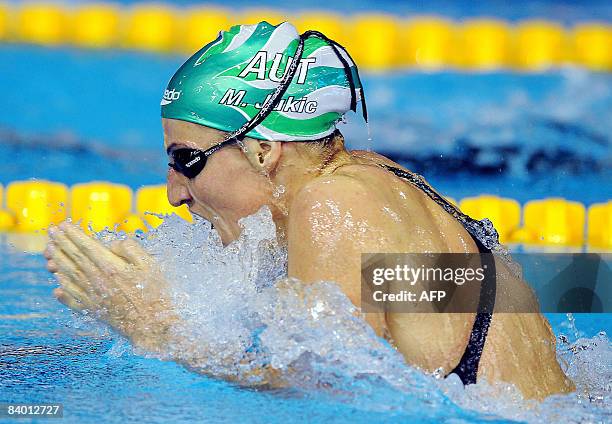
(201, 215)
(226, 232)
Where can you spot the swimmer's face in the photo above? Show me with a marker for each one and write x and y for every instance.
(227, 189)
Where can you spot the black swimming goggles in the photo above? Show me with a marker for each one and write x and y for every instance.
(190, 162)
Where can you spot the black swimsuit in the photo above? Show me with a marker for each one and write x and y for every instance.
(485, 237)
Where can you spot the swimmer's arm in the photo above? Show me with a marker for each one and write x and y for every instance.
(331, 222)
(330, 225)
(104, 282)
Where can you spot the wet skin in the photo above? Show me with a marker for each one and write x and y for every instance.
(331, 211)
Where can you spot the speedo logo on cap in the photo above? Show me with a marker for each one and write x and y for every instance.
(170, 96)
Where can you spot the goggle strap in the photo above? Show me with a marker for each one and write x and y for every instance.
(347, 69)
(351, 80)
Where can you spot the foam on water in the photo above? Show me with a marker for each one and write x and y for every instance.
(237, 302)
(242, 313)
(588, 363)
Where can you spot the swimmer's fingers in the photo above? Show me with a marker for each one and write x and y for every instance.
(70, 301)
(82, 305)
(48, 252)
(131, 251)
(109, 275)
(70, 278)
(69, 285)
(63, 264)
(99, 285)
(92, 277)
(95, 251)
(52, 266)
(141, 264)
(67, 252)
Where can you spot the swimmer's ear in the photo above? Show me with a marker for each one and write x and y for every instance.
(263, 155)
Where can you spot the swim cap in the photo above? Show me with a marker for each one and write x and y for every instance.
(225, 84)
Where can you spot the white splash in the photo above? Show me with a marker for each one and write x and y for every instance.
(238, 305)
(243, 313)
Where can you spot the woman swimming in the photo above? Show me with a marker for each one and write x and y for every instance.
(257, 109)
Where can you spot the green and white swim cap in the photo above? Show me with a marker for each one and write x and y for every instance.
(226, 83)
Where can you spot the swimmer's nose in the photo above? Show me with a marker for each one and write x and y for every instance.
(177, 189)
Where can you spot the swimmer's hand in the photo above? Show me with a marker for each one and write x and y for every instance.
(119, 285)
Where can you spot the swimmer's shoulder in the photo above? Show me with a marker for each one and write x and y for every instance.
(362, 188)
(416, 205)
(346, 190)
(332, 220)
(357, 205)
(369, 168)
(346, 199)
(415, 197)
(365, 156)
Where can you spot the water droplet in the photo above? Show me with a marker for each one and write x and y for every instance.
(439, 373)
(279, 190)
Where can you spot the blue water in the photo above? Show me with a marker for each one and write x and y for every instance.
(49, 356)
(43, 358)
(75, 116)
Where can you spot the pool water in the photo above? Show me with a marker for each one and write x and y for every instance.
(523, 136)
(50, 355)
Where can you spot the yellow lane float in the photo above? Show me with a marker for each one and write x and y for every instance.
(96, 25)
(539, 45)
(5, 18)
(100, 205)
(483, 44)
(36, 204)
(374, 41)
(592, 45)
(7, 220)
(43, 23)
(132, 223)
(600, 225)
(427, 43)
(154, 199)
(554, 221)
(153, 27)
(505, 214)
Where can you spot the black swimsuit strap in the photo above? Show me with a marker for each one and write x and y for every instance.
(467, 368)
(485, 237)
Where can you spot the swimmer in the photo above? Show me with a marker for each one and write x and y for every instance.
(256, 110)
